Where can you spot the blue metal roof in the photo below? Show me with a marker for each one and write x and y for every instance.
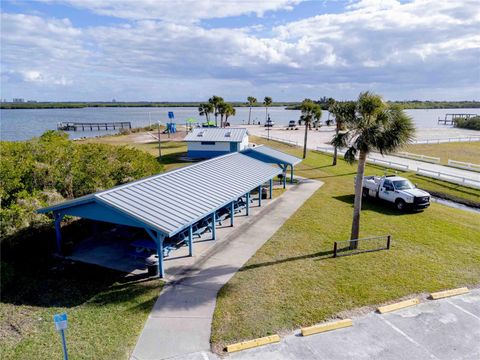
(264, 153)
(217, 134)
(172, 201)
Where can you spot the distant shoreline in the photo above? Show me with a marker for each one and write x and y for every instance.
(81, 105)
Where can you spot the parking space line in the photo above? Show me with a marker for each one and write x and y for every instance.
(462, 309)
(432, 356)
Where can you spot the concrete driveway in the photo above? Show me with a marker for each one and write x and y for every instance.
(446, 329)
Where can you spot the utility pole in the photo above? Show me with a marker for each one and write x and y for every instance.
(159, 143)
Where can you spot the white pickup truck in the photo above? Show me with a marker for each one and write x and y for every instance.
(397, 190)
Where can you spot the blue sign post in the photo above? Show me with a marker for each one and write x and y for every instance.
(60, 321)
(171, 115)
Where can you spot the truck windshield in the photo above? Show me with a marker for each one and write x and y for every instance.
(403, 185)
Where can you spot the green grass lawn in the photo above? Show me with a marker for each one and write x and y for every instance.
(293, 280)
(172, 151)
(106, 313)
(460, 151)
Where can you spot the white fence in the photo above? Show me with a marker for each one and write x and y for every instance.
(387, 163)
(464, 165)
(325, 149)
(449, 178)
(290, 142)
(429, 159)
(458, 139)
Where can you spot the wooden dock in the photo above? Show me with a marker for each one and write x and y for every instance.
(450, 119)
(83, 126)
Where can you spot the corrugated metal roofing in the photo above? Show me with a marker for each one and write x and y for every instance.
(217, 134)
(274, 154)
(171, 201)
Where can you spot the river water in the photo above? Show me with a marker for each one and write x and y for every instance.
(20, 124)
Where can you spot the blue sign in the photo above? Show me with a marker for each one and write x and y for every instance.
(60, 321)
(170, 115)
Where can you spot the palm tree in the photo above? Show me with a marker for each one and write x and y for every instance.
(311, 112)
(374, 126)
(205, 109)
(342, 112)
(267, 102)
(250, 101)
(222, 109)
(215, 101)
(229, 111)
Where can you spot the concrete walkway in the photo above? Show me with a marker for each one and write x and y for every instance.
(323, 136)
(447, 329)
(180, 321)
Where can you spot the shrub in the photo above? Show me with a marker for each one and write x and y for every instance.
(472, 123)
(50, 169)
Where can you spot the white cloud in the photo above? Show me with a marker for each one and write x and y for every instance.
(400, 49)
(183, 11)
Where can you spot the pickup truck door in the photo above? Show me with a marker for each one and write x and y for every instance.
(387, 191)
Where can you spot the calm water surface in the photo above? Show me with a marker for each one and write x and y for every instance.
(24, 124)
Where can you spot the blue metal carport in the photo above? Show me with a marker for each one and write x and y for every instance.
(268, 155)
(168, 203)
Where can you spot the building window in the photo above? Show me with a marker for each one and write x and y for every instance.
(208, 142)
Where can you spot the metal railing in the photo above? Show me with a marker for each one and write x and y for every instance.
(457, 139)
(455, 179)
(420, 157)
(361, 245)
(286, 141)
(464, 165)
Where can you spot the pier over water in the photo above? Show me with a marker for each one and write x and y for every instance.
(98, 126)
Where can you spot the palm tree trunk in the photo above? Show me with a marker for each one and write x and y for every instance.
(357, 205)
(335, 149)
(249, 115)
(266, 113)
(305, 140)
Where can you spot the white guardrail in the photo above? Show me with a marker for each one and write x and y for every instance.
(290, 142)
(429, 159)
(464, 165)
(449, 178)
(458, 139)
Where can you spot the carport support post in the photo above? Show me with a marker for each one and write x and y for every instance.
(248, 204)
(232, 212)
(160, 239)
(291, 174)
(270, 188)
(190, 241)
(58, 232)
(260, 195)
(285, 177)
(214, 225)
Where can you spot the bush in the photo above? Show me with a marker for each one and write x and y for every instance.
(472, 123)
(52, 168)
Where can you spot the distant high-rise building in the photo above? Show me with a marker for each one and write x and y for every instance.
(18, 100)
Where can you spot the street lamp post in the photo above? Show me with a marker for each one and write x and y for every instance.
(159, 143)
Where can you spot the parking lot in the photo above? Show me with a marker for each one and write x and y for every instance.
(444, 329)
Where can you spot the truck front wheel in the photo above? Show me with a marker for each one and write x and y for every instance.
(400, 204)
(365, 193)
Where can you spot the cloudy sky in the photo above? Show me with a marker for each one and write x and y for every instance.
(162, 50)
